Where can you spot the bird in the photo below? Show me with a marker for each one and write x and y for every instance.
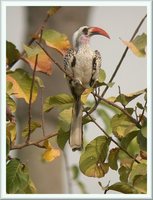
(83, 65)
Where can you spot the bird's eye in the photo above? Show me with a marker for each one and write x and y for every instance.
(85, 31)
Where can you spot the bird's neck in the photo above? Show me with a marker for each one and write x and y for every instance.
(82, 46)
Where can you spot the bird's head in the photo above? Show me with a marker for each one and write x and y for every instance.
(83, 34)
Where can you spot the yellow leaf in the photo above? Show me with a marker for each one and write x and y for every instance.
(47, 144)
(50, 154)
(11, 131)
(44, 63)
(85, 95)
(21, 84)
(56, 40)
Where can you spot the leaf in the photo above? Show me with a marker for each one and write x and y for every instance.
(61, 101)
(34, 126)
(124, 173)
(50, 154)
(112, 158)
(92, 159)
(85, 95)
(128, 138)
(106, 118)
(39, 82)
(65, 118)
(11, 132)
(7, 146)
(62, 138)
(142, 141)
(75, 172)
(11, 103)
(12, 54)
(138, 45)
(125, 99)
(22, 84)
(9, 87)
(121, 126)
(56, 40)
(138, 169)
(44, 63)
(18, 179)
(140, 183)
(102, 76)
(53, 10)
(123, 188)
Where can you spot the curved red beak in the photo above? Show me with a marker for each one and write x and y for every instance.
(97, 31)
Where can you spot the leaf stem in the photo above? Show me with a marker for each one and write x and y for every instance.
(30, 99)
(93, 120)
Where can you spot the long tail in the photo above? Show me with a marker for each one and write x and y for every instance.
(76, 132)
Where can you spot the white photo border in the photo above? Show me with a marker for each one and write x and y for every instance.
(4, 4)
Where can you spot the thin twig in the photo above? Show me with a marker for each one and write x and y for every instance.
(42, 113)
(35, 143)
(69, 183)
(56, 63)
(119, 64)
(93, 120)
(30, 99)
(121, 109)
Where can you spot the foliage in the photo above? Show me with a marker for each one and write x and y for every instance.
(128, 125)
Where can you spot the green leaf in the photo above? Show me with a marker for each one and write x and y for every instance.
(125, 99)
(22, 84)
(81, 186)
(121, 126)
(61, 101)
(123, 188)
(112, 158)
(142, 141)
(53, 10)
(106, 118)
(138, 169)
(12, 54)
(56, 40)
(92, 159)
(102, 76)
(65, 118)
(7, 146)
(18, 180)
(140, 106)
(11, 131)
(138, 45)
(128, 138)
(9, 87)
(140, 183)
(75, 171)
(124, 173)
(11, 103)
(34, 126)
(62, 138)
(39, 82)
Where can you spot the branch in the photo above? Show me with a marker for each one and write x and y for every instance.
(121, 109)
(30, 99)
(93, 120)
(35, 143)
(119, 64)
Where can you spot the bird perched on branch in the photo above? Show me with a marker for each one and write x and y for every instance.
(83, 64)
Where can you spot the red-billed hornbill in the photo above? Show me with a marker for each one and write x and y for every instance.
(83, 64)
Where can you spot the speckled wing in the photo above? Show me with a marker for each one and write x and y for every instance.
(96, 64)
(69, 61)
